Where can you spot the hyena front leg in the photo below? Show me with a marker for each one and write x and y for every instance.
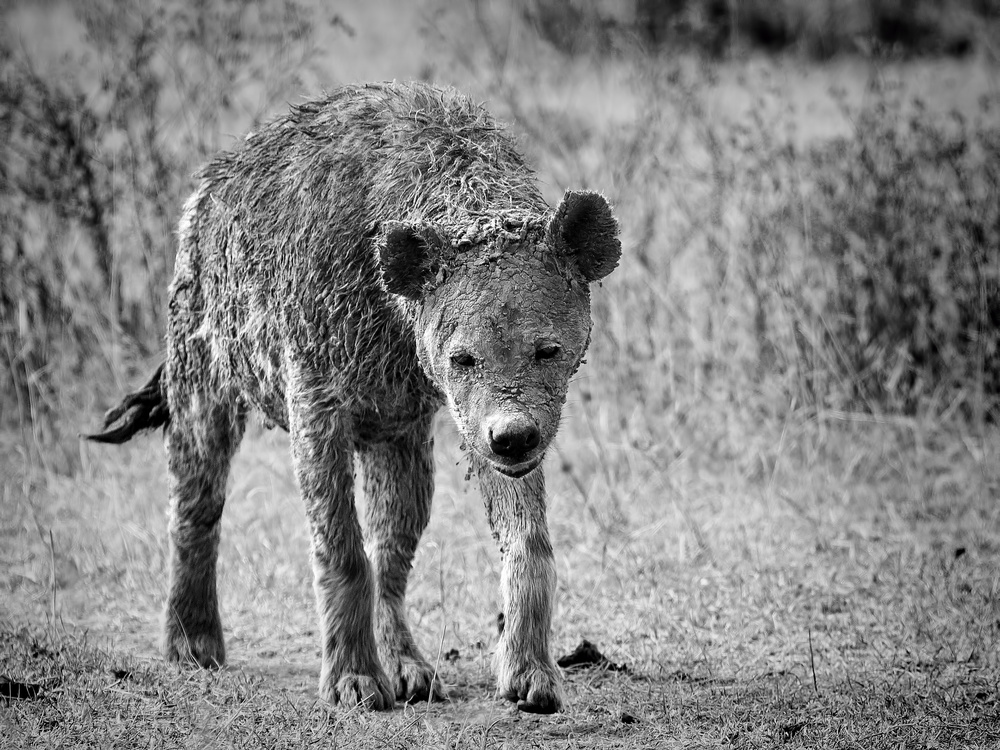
(323, 457)
(516, 512)
(203, 435)
(398, 483)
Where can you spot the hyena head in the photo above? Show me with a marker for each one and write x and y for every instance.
(501, 313)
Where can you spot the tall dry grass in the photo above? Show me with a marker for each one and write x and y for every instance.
(817, 29)
(98, 146)
(758, 271)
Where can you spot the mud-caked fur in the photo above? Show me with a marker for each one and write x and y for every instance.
(346, 271)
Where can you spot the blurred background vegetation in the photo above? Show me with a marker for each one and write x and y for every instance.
(806, 226)
(815, 29)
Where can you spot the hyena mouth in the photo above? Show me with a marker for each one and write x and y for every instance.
(519, 471)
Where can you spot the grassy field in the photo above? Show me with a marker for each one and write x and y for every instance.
(770, 571)
(834, 584)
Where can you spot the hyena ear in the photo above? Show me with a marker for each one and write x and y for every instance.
(408, 257)
(584, 228)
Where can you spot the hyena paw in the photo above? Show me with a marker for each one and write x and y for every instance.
(535, 688)
(204, 647)
(414, 680)
(371, 692)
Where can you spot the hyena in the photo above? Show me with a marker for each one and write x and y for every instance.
(346, 271)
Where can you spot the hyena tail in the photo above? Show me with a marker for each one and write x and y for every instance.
(146, 409)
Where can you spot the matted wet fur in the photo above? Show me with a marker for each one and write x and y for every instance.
(346, 271)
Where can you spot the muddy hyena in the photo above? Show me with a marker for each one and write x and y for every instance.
(346, 271)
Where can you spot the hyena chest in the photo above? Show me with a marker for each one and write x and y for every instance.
(368, 374)
(385, 391)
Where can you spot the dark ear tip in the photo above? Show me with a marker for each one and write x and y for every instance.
(585, 227)
(586, 207)
(405, 257)
(589, 199)
(393, 232)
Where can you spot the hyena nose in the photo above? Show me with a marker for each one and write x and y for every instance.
(514, 437)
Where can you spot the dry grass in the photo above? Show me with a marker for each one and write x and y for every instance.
(771, 572)
(834, 584)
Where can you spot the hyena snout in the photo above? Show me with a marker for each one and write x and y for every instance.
(513, 437)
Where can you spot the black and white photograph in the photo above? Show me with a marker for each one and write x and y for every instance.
(500, 374)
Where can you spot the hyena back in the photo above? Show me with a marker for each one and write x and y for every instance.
(346, 271)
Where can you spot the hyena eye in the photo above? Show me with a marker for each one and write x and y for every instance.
(547, 351)
(463, 359)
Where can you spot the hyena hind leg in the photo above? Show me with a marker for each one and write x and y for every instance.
(202, 438)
